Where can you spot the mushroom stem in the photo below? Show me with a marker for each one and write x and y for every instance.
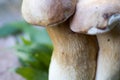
(74, 56)
(108, 67)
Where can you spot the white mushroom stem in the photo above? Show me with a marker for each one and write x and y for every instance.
(74, 56)
(108, 67)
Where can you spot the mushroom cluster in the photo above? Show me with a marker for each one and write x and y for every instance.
(85, 35)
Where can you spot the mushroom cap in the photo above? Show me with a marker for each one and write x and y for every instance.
(47, 12)
(95, 16)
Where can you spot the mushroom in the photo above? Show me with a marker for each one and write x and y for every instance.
(92, 16)
(74, 56)
(47, 12)
(95, 17)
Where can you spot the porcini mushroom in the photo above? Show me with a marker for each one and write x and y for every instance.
(95, 17)
(74, 56)
(47, 12)
(92, 16)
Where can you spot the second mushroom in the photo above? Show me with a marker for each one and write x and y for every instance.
(95, 17)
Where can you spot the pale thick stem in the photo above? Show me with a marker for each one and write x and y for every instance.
(108, 67)
(74, 56)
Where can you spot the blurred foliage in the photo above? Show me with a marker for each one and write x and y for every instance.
(34, 49)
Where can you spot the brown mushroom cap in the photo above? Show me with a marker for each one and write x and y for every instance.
(47, 12)
(95, 16)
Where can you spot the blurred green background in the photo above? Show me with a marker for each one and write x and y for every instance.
(33, 46)
(34, 49)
